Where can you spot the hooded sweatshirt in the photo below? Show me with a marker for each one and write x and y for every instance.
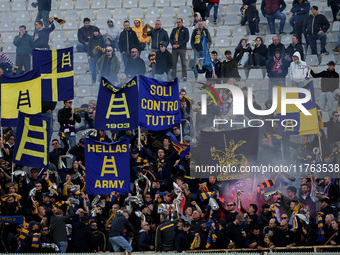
(113, 31)
(298, 69)
(139, 32)
(206, 23)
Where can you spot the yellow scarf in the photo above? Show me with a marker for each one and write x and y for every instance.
(176, 35)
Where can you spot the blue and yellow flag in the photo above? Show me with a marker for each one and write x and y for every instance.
(159, 105)
(295, 122)
(57, 76)
(106, 168)
(12, 219)
(208, 61)
(116, 107)
(181, 148)
(32, 143)
(20, 93)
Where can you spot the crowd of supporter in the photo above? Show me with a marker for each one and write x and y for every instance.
(60, 216)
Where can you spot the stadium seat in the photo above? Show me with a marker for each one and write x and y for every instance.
(150, 20)
(80, 57)
(263, 19)
(79, 68)
(177, 3)
(236, 39)
(152, 12)
(242, 73)
(59, 35)
(255, 74)
(234, 9)
(87, 14)
(268, 40)
(71, 14)
(120, 13)
(56, 126)
(8, 37)
(58, 44)
(103, 14)
(84, 91)
(23, 16)
(9, 48)
(168, 11)
(240, 31)
(167, 22)
(312, 60)
(232, 19)
(66, 5)
(191, 76)
(334, 37)
(120, 21)
(136, 13)
(226, 2)
(112, 4)
(8, 16)
(222, 41)
(4, 6)
(145, 55)
(18, 6)
(130, 4)
(162, 3)
(145, 3)
(71, 25)
(98, 4)
(325, 59)
(85, 80)
(211, 31)
(54, 13)
(6, 26)
(82, 4)
(184, 11)
(186, 21)
(286, 39)
(335, 27)
(101, 23)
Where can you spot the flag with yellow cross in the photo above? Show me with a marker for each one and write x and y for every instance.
(57, 75)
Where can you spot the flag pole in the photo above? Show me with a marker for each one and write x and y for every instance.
(12, 175)
(138, 137)
(180, 127)
(320, 147)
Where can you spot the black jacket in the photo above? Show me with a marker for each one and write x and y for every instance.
(183, 37)
(118, 224)
(82, 237)
(165, 234)
(251, 238)
(64, 116)
(263, 219)
(314, 24)
(134, 66)
(157, 36)
(273, 73)
(163, 62)
(128, 40)
(250, 14)
(272, 48)
(197, 44)
(199, 4)
(79, 152)
(84, 34)
(144, 241)
(291, 49)
(182, 241)
(93, 43)
(44, 5)
(55, 154)
(333, 130)
(262, 50)
(229, 69)
(329, 81)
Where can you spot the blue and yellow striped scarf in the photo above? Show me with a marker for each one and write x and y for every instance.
(36, 240)
(321, 232)
(196, 243)
(275, 209)
(207, 195)
(211, 235)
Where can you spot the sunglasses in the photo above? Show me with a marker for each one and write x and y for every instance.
(54, 143)
(46, 229)
(283, 218)
(69, 102)
(109, 22)
(231, 205)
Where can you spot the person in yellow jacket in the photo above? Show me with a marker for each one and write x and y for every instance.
(139, 31)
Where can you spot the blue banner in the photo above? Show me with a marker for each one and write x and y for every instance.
(208, 60)
(116, 107)
(20, 93)
(159, 105)
(32, 142)
(57, 76)
(107, 167)
(12, 219)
